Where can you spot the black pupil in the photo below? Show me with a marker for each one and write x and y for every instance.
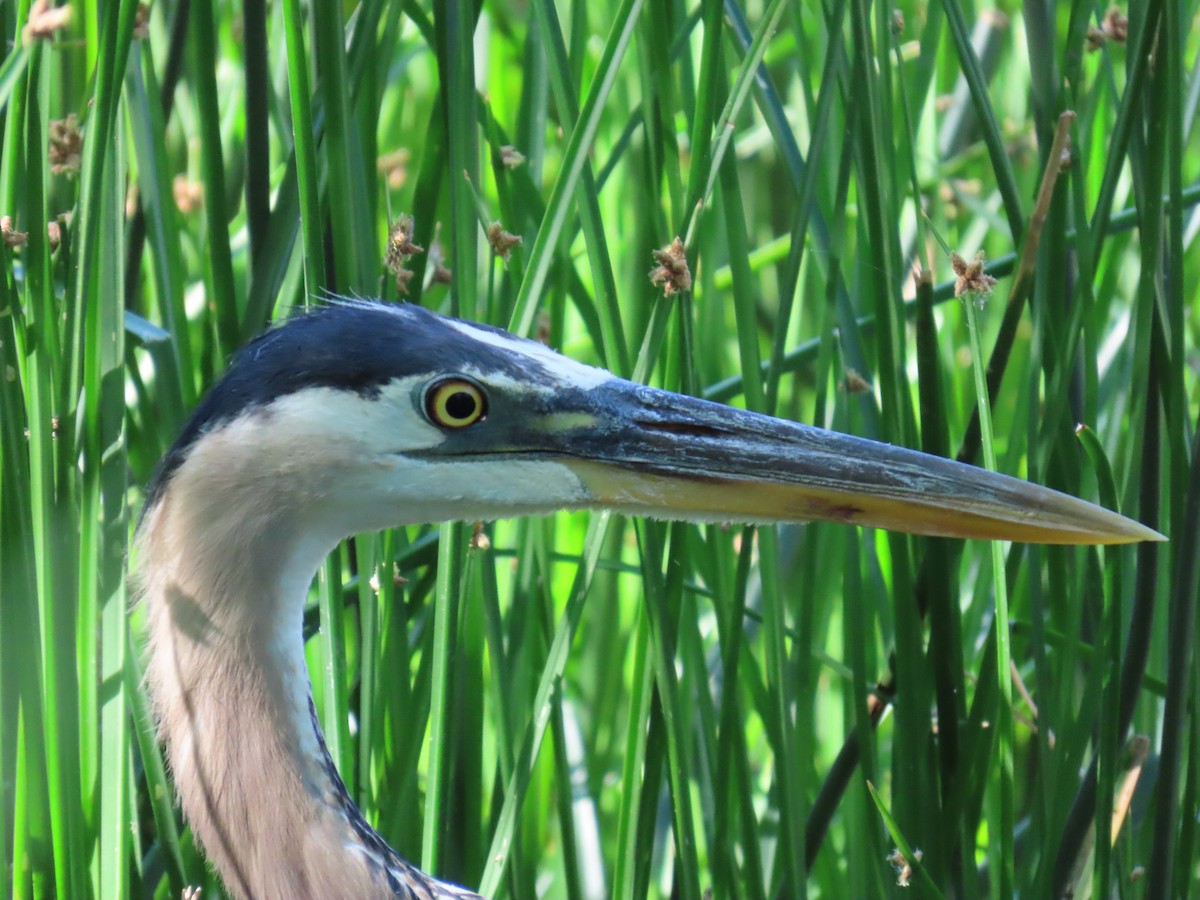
(460, 405)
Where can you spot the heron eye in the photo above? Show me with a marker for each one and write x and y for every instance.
(455, 403)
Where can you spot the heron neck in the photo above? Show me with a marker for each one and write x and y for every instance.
(228, 680)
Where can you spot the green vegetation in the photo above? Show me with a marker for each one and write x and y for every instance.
(594, 707)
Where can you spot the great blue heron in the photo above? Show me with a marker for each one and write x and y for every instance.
(361, 416)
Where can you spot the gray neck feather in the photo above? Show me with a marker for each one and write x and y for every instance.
(230, 690)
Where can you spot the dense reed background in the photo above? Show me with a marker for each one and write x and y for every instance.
(592, 707)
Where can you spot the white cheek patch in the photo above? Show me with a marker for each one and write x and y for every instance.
(372, 425)
(561, 367)
(500, 484)
(415, 491)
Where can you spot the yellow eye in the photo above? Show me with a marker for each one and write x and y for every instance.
(455, 403)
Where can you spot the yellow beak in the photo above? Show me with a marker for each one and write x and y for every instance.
(656, 453)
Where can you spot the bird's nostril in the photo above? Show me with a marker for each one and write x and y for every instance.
(686, 429)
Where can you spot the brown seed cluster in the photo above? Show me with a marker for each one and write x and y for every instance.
(394, 167)
(672, 273)
(400, 247)
(44, 20)
(1114, 27)
(501, 241)
(398, 580)
(971, 280)
(141, 22)
(66, 145)
(400, 238)
(902, 866)
(479, 538)
(541, 333)
(854, 383)
(13, 238)
(437, 259)
(188, 194)
(511, 157)
(10, 235)
(442, 275)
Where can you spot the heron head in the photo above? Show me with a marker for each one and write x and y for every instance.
(364, 415)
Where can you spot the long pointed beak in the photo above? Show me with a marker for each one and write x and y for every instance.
(666, 455)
